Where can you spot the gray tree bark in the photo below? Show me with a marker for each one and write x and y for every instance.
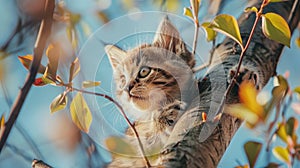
(196, 144)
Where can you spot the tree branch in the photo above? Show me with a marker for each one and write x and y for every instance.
(204, 144)
(44, 32)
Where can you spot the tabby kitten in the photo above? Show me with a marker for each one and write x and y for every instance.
(154, 84)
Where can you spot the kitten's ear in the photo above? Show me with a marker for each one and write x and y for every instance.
(115, 55)
(168, 37)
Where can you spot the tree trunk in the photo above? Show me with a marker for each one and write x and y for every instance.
(203, 144)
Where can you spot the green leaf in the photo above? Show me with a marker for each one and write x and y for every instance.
(74, 69)
(278, 92)
(276, 28)
(290, 126)
(282, 154)
(252, 150)
(87, 84)
(118, 146)
(80, 113)
(47, 77)
(251, 9)
(227, 25)
(59, 103)
(210, 33)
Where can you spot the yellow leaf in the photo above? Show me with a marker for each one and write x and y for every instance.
(103, 16)
(27, 60)
(172, 6)
(74, 69)
(86, 28)
(276, 28)
(87, 84)
(59, 103)
(244, 166)
(251, 9)
(119, 147)
(281, 132)
(75, 18)
(282, 154)
(210, 33)
(248, 96)
(227, 25)
(80, 113)
(298, 42)
(69, 31)
(2, 70)
(242, 112)
(277, 0)
(2, 121)
(53, 53)
(187, 12)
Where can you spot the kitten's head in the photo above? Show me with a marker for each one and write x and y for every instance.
(152, 75)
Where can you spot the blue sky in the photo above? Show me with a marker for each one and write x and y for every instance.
(127, 31)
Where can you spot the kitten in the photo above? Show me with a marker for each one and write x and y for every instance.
(154, 84)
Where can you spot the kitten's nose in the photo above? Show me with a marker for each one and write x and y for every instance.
(130, 86)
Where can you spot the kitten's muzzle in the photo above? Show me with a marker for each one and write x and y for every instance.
(129, 87)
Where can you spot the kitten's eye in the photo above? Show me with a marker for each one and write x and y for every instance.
(144, 72)
(170, 122)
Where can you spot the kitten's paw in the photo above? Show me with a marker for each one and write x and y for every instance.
(244, 75)
(171, 112)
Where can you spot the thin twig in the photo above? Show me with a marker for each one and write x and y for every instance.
(270, 140)
(277, 114)
(196, 31)
(272, 125)
(125, 117)
(40, 164)
(244, 49)
(19, 152)
(42, 37)
(284, 108)
(293, 11)
(286, 105)
(203, 66)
